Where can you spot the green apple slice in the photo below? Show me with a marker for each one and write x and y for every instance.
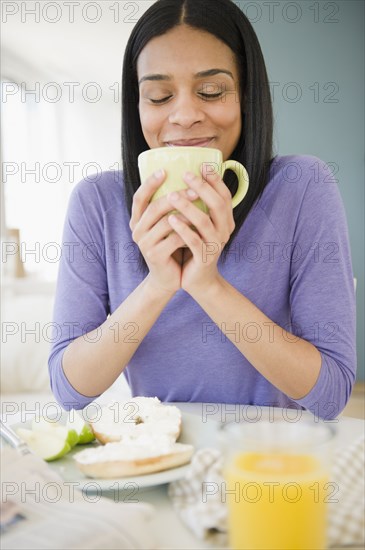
(82, 428)
(55, 428)
(45, 444)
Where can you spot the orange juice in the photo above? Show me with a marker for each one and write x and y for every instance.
(276, 501)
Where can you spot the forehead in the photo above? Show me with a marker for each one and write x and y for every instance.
(185, 49)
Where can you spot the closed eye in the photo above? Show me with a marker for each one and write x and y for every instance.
(211, 96)
(162, 100)
(204, 96)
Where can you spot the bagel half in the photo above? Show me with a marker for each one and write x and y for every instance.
(137, 417)
(116, 460)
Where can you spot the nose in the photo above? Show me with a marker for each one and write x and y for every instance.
(186, 111)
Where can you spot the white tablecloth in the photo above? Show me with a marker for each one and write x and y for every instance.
(201, 419)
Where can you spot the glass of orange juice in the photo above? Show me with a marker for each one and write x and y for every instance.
(276, 475)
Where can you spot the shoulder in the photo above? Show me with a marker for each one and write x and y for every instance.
(101, 191)
(292, 175)
(299, 184)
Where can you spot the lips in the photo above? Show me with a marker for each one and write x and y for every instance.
(197, 142)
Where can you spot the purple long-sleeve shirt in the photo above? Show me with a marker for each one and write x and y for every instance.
(291, 258)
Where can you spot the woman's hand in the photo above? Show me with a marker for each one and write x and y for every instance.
(212, 231)
(151, 231)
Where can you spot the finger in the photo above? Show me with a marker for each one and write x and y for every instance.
(157, 233)
(192, 240)
(216, 196)
(194, 215)
(142, 199)
(144, 194)
(154, 212)
(165, 248)
(215, 181)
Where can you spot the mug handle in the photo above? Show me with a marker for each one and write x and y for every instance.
(242, 177)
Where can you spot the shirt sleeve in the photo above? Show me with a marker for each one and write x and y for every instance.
(81, 302)
(322, 295)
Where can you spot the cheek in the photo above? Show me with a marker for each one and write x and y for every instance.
(151, 121)
(231, 116)
(227, 114)
(228, 119)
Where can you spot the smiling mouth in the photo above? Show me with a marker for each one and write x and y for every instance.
(198, 142)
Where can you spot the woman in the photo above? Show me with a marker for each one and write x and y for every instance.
(267, 318)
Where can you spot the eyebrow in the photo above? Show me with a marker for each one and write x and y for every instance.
(201, 74)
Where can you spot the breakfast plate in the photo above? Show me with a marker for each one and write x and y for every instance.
(131, 485)
(194, 431)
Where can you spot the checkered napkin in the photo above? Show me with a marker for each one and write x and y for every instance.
(198, 498)
(347, 517)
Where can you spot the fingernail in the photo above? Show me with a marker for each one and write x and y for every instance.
(159, 173)
(174, 196)
(192, 194)
(189, 176)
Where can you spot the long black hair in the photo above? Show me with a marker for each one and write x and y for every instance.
(224, 20)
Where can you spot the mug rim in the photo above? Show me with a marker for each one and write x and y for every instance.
(178, 147)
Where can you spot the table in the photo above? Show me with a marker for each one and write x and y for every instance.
(200, 423)
(170, 530)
